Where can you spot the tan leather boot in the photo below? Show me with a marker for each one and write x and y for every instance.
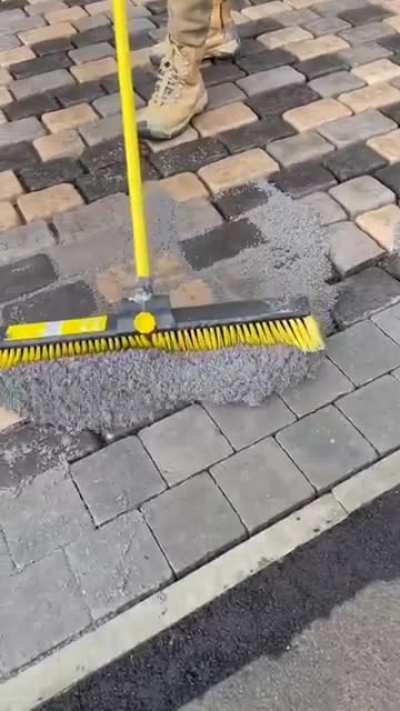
(222, 38)
(178, 96)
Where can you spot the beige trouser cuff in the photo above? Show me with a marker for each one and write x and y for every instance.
(189, 20)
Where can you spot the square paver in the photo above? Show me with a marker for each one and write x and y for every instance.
(383, 225)
(328, 384)
(389, 322)
(193, 522)
(116, 479)
(243, 425)
(350, 249)
(327, 209)
(41, 607)
(363, 352)
(118, 564)
(326, 447)
(365, 294)
(46, 514)
(262, 484)
(375, 411)
(354, 161)
(362, 194)
(185, 443)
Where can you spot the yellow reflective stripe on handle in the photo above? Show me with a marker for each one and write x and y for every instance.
(132, 150)
(70, 327)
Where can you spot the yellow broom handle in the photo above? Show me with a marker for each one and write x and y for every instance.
(132, 150)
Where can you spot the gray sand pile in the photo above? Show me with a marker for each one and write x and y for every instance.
(122, 391)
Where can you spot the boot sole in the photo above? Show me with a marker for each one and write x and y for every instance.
(163, 135)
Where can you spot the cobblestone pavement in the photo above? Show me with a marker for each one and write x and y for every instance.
(313, 103)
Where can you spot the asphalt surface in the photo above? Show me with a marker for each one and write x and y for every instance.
(319, 631)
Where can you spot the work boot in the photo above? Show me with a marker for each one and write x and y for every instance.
(222, 39)
(178, 96)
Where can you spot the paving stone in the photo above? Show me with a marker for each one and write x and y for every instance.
(8, 42)
(264, 60)
(387, 146)
(87, 222)
(48, 81)
(108, 153)
(5, 99)
(383, 225)
(41, 65)
(73, 300)
(257, 27)
(40, 8)
(118, 564)
(390, 176)
(350, 248)
(90, 23)
(364, 53)
(182, 187)
(273, 103)
(362, 15)
(70, 14)
(336, 83)
(102, 130)
(367, 33)
(34, 106)
(392, 111)
(10, 187)
(362, 194)
(326, 447)
(107, 181)
(237, 170)
(262, 484)
(325, 207)
(116, 479)
(224, 94)
(177, 519)
(97, 34)
(42, 49)
(322, 66)
(79, 94)
(179, 456)
(23, 130)
(185, 137)
(92, 52)
(297, 17)
(370, 97)
(388, 321)
(45, 203)
(315, 114)
(364, 294)
(50, 32)
(243, 425)
(111, 104)
(217, 73)
(25, 276)
(326, 26)
(46, 591)
(266, 9)
(229, 117)
(25, 241)
(53, 172)
(375, 410)
(363, 352)
(188, 157)
(59, 145)
(234, 203)
(22, 25)
(69, 118)
(378, 71)
(47, 514)
(311, 48)
(8, 216)
(303, 179)
(223, 242)
(298, 149)
(369, 484)
(256, 134)
(270, 80)
(280, 38)
(328, 384)
(97, 69)
(355, 161)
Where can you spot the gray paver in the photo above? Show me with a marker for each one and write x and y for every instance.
(117, 564)
(195, 217)
(350, 248)
(116, 479)
(364, 53)
(223, 94)
(92, 52)
(109, 105)
(389, 322)
(362, 194)
(364, 294)
(326, 447)
(41, 607)
(369, 484)
(375, 411)
(353, 129)
(336, 83)
(244, 425)
(103, 130)
(262, 484)
(25, 241)
(88, 221)
(326, 207)
(309, 396)
(363, 352)
(298, 149)
(6, 564)
(193, 522)
(326, 26)
(270, 80)
(46, 514)
(26, 129)
(39, 84)
(367, 33)
(20, 24)
(185, 443)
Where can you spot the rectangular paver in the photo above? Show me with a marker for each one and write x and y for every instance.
(270, 80)
(41, 83)
(354, 129)
(117, 564)
(389, 322)
(369, 484)
(23, 130)
(326, 447)
(383, 226)
(185, 443)
(327, 209)
(316, 114)
(193, 522)
(362, 194)
(327, 385)
(116, 479)
(308, 146)
(237, 170)
(262, 484)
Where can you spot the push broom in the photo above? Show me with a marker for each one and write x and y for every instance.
(147, 320)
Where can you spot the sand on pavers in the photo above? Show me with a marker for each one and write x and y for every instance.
(124, 390)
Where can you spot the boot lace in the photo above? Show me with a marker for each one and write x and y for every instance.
(170, 81)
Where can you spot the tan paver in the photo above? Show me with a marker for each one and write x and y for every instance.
(273, 40)
(95, 70)
(370, 97)
(14, 56)
(383, 225)
(5, 77)
(70, 14)
(8, 418)
(308, 49)
(223, 119)
(183, 187)
(376, 72)
(189, 135)
(5, 96)
(45, 203)
(10, 187)
(266, 9)
(8, 216)
(69, 118)
(315, 114)
(50, 32)
(59, 145)
(237, 170)
(387, 146)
